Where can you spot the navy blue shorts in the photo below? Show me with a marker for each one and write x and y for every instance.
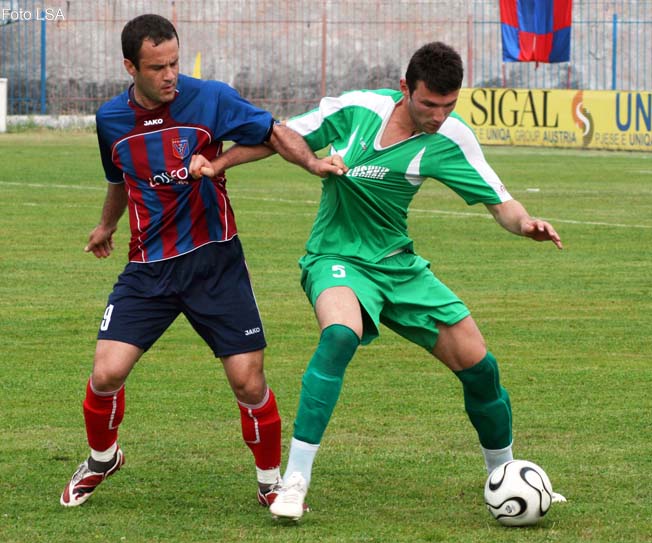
(210, 286)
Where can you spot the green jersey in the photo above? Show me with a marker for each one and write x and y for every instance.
(363, 214)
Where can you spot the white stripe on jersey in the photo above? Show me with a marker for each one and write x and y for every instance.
(342, 152)
(141, 246)
(456, 131)
(412, 174)
(145, 133)
(312, 120)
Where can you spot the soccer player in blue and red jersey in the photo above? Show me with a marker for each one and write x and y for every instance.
(184, 255)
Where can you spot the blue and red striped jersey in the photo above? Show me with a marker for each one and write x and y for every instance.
(170, 213)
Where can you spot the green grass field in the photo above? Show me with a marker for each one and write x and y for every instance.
(399, 462)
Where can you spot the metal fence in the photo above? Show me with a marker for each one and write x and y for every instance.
(284, 55)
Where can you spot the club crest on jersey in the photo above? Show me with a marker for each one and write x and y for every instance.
(180, 148)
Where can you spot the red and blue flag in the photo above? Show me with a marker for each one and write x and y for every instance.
(536, 30)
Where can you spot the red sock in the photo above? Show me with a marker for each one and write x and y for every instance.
(261, 431)
(103, 412)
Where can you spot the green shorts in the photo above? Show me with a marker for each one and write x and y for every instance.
(400, 291)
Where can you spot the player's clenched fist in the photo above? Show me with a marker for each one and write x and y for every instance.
(200, 165)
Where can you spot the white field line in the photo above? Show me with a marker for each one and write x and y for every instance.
(314, 202)
(50, 186)
(551, 220)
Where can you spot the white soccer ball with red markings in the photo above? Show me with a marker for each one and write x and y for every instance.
(518, 493)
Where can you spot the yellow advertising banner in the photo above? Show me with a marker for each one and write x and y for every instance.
(574, 119)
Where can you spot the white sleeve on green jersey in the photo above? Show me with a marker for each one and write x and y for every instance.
(463, 174)
(332, 121)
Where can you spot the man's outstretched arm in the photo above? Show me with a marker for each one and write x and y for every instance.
(512, 216)
(284, 141)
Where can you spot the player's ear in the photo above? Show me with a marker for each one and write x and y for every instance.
(129, 66)
(404, 88)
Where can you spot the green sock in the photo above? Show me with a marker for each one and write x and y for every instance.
(322, 382)
(487, 403)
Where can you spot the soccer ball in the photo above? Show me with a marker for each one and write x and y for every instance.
(518, 493)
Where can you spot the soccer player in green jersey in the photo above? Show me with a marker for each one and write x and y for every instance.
(360, 269)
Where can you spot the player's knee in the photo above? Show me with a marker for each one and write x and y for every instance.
(322, 381)
(482, 380)
(106, 380)
(336, 348)
(112, 363)
(250, 391)
(246, 376)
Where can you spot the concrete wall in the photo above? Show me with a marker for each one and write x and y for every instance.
(284, 55)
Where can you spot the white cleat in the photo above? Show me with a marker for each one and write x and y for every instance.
(289, 502)
(557, 498)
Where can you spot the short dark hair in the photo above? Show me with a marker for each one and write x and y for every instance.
(438, 65)
(145, 27)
